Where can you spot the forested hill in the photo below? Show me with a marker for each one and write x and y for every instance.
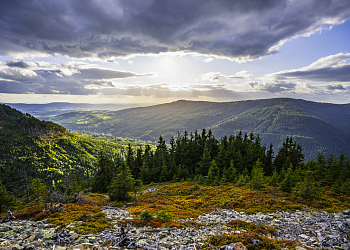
(30, 148)
(319, 127)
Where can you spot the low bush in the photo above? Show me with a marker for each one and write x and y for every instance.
(146, 215)
(165, 216)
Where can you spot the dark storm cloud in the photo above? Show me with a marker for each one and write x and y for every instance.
(242, 29)
(17, 64)
(335, 87)
(329, 74)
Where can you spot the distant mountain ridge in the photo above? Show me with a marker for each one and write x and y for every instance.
(319, 127)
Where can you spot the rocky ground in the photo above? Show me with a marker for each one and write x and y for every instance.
(318, 230)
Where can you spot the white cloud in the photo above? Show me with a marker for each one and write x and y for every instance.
(215, 76)
(208, 59)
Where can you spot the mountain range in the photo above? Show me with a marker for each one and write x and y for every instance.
(319, 127)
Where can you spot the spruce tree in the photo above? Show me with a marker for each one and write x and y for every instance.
(274, 178)
(103, 175)
(257, 176)
(37, 190)
(6, 199)
(205, 163)
(130, 158)
(213, 173)
(288, 182)
(242, 180)
(121, 184)
(231, 172)
(308, 188)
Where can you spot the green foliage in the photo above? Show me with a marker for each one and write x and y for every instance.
(196, 187)
(274, 178)
(165, 216)
(257, 176)
(307, 189)
(231, 172)
(6, 199)
(37, 190)
(146, 215)
(205, 163)
(242, 180)
(213, 174)
(121, 184)
(288, 182)
(57, 157)
(103, 175)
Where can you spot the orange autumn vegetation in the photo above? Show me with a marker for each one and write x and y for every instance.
(93, 223)
(185, 202)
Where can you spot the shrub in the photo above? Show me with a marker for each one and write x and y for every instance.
(164, 215)
(257, 178)
(196, 187)
(308, 188)
(146, 215)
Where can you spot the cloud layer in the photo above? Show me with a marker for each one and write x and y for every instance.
(239, 30)
(326, 69)
(49, 78)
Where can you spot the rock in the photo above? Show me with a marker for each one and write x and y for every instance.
(107, 243)
(74, 236)
(240, 246)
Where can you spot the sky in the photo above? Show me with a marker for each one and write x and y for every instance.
(157, 51)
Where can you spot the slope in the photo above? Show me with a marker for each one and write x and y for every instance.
(30, 148)
(320, 127)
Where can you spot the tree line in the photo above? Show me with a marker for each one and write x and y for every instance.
(239, 159)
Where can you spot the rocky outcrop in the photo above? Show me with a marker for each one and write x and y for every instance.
(318, 230)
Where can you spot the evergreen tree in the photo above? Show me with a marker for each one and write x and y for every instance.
(257, 176)
(308, 188)
(165, 174)
(37, 190)
(137, 163)
(182, 173)
(103, 175)
(332, 172)
(274, 178)
(223, 180)
(130, 158)
(121, 184)
(242, 180)
(290, 149)
(288, 182)
(145, 173)
(213, 174)
(205, 163)
(6, 199)
(231, 173)
(268, 161)
(346, 187)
